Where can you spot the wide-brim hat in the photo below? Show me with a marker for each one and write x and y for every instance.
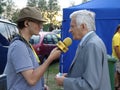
(30, 13)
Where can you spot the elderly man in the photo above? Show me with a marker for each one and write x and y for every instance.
(89, 69)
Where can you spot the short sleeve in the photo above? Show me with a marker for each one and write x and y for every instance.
(116, 40)
(20, 57)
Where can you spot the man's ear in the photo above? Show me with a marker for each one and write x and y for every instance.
(26, 23)
(82, 26)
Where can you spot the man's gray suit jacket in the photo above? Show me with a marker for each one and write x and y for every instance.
(89, 69)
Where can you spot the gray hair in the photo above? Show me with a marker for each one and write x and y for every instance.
(85, 17)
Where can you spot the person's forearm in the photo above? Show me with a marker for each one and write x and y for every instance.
(39, 72)
(32, 76)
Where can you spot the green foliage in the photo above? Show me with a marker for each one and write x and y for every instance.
(2, 4)
(50, 76)
(42, 4)
(9, 9)
(15, 15)
(53, 9)
(46, 27)
(31, 3)
(53, 5)
(1, 9)
(48, 9)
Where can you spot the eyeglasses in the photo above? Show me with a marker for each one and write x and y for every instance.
(37, 22)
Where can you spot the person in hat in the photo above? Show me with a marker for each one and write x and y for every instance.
(22, 69)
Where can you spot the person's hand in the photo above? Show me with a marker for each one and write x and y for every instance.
(46, 87)
(60, 78)
(55, 54)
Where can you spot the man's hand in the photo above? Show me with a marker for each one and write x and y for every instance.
(59, 79)
(55, 53)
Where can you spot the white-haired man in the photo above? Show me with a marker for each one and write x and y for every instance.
(89, 69)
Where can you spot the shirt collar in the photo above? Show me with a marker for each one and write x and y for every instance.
(85, 36)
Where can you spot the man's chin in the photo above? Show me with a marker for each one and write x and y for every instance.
(36, 34)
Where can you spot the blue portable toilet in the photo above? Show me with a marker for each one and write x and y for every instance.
(107, 19)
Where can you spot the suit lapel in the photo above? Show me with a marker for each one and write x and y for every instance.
(76, 55)
(80, 47)
(88, 38)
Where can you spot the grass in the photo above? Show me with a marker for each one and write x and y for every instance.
(50, 75)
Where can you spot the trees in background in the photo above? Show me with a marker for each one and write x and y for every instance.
(2, 4)
(50, 9)
(9, 9)
(31, 3)
(15, 15)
